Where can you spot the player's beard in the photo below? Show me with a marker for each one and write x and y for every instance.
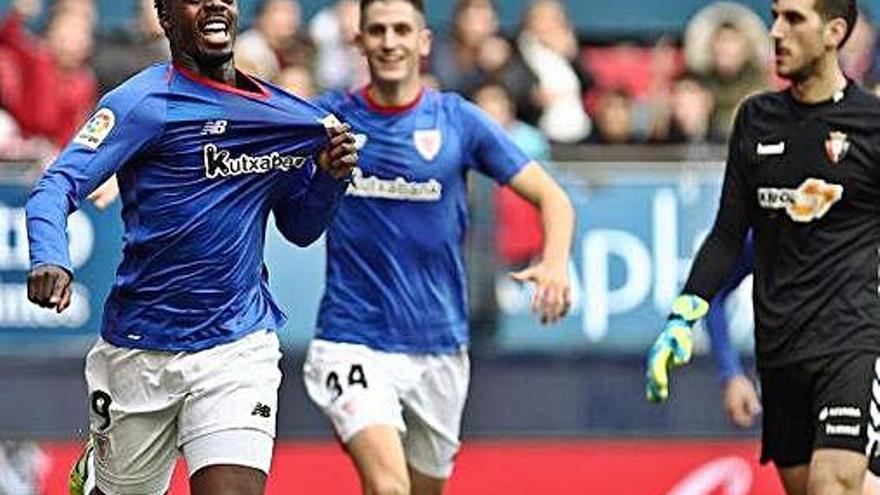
(807, 69)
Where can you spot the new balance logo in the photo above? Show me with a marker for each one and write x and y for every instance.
(262, 410)
(214, 127)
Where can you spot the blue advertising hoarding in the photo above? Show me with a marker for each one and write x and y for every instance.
(638, 228)
(95, 247)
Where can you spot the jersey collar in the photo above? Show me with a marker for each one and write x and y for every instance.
(377, 107)
(262, 94)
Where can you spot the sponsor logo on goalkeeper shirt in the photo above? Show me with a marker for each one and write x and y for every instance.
(810, 201)
(221, 163)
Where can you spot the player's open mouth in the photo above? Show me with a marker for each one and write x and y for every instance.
(216, 31)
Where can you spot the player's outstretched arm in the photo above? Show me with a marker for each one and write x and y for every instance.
(305, 217)
(552, 297)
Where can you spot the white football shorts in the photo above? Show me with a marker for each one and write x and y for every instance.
(216, 406)
(422, 395)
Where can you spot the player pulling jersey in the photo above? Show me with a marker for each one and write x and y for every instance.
(200, 166)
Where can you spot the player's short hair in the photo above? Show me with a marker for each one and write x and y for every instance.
(419, 5)
(848, 10)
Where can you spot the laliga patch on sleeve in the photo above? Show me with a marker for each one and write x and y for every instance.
(96, 129)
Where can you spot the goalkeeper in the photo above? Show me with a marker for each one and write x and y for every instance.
(803, 172)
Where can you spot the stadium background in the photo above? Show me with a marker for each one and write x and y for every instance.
(557, 410)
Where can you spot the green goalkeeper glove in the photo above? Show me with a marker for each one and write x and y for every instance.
(673, 346)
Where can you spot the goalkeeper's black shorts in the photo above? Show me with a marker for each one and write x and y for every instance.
(829, 402)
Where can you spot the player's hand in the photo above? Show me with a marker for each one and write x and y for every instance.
(105, 194)
(674, 346)
(340, 156)
(49, 287)
(741, 401)
(552, 297)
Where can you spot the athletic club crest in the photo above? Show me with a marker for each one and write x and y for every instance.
(427, 142)
(836, 146)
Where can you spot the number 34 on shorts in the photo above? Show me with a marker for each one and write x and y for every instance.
(330, 376)
(355, 377)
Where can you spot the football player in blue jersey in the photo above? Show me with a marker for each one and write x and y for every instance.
(188, 358)
(389, 362)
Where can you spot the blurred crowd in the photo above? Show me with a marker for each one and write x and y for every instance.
(549, 83)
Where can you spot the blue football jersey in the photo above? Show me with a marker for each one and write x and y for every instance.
(200, 166)
(395, 268)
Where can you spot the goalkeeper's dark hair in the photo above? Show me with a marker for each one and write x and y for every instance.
(848, 10)
(419, 5)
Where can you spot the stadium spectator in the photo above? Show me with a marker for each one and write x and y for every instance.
(613, 122)
(123, 54)
(476, 54)
(455, 58)
(687, 119)
(47, 86)
(550, 49)
(735, 64)
(87, 9)
(274, 41)
(338, 65)
(389, 362)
